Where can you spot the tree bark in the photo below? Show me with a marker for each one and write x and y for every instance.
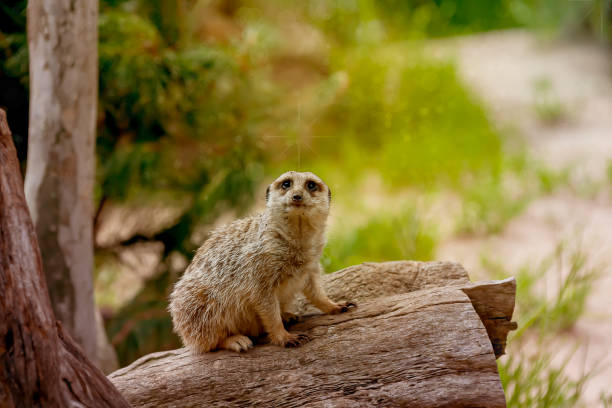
(494, 303)
(425, 343)
(63, 40)
(40, 364)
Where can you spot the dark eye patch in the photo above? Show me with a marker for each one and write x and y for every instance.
(286, 184)
(311, 186)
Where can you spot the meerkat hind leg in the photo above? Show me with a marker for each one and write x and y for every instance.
(270, 314)
(237, 342)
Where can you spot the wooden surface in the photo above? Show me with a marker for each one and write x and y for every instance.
(494, 302)
(425, 346)
(371, 280)
(40, 365)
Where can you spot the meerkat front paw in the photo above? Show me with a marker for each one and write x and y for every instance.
(289, 318)
(290, 339)
(342, 307)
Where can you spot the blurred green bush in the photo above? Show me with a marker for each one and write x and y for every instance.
(410, 119)
(384, 237)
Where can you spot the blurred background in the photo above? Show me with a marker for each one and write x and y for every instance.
(476, 131)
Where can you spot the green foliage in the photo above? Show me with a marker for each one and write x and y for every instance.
(14, 52)
(488, 206)
(13, 45)
(547, 104)
(549, 309)
(488, 203)
(569, 299)
(410, 119)
(551, 180)
(14, 71)
(369, 20)
(537, 382)
(172, 117)
(590, 16)
(445, 17)
(381, 238)
(533, 379)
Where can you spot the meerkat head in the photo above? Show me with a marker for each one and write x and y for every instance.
(301, 193)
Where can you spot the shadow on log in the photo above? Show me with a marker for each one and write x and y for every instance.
(40, 365)
(423, 335)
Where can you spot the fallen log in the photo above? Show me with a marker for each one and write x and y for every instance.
(40, 364)
(422, 336)
(493, 302)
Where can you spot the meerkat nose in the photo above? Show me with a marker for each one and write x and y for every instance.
(297, 197)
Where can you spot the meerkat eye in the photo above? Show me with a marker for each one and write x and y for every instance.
(286, 184)
(311, 185)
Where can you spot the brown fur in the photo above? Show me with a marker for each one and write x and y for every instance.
(244, 278)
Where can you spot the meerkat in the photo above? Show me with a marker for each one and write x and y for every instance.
(243, 279)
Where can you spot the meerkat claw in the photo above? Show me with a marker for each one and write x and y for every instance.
(346, 306)
(297, 340)
(342, 307)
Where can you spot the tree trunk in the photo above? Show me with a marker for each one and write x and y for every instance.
(63, 43)
(425, 343)
(40, 364)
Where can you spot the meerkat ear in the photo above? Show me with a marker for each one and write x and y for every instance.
(267, 193)
(328, 194)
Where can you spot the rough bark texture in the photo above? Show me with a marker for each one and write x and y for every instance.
(493, 302)
(371, 280)
(422, 344)
(62, 39)
(40, 364)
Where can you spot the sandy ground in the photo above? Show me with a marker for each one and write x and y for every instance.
(503, 69)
